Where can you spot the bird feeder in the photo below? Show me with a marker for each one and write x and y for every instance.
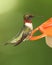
(46, 30)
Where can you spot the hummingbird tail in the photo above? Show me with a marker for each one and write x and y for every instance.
(9, 43)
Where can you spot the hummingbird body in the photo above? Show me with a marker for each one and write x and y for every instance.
(25, 31)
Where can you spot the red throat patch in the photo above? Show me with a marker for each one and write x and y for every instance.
(27, 21)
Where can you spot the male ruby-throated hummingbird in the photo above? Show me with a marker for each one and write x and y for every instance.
(25, 31)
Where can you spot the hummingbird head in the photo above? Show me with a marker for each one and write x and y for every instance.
(28, 21)
(28, 18)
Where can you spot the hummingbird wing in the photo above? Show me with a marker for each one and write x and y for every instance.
(25, 31)
(21, 39)
(49, 41)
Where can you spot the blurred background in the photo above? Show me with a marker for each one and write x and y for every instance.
(11, 21)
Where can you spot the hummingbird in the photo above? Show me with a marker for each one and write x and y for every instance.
(24, 32)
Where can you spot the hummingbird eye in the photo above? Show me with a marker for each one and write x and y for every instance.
(28, 16)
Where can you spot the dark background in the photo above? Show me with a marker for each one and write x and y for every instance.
(11, 21)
